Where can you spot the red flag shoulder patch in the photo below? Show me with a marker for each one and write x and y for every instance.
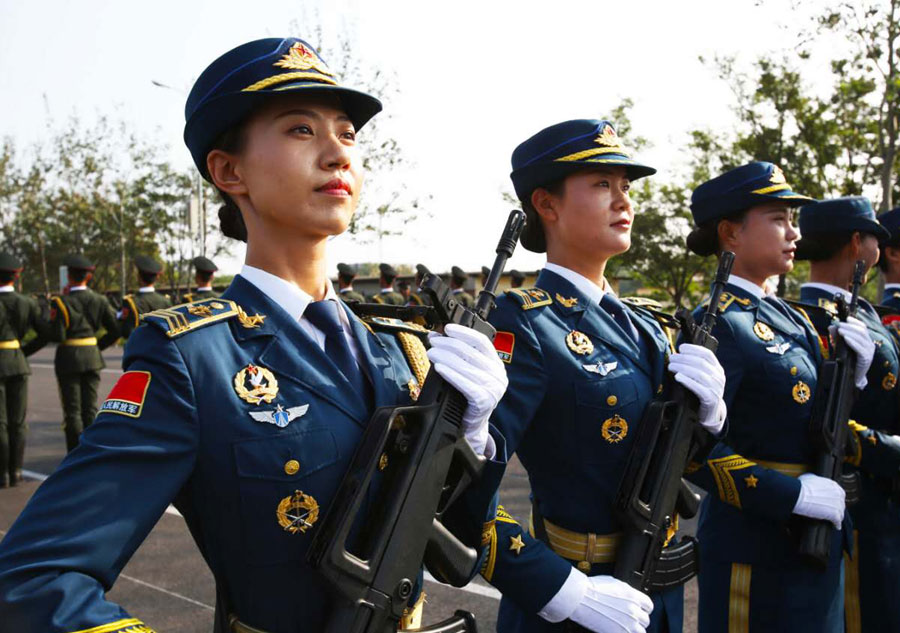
(504, 343)
(127, 396)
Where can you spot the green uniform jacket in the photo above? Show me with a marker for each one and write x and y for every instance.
(76, 316)
(199, 295)
(390, 298)
(351, 295)
(18, 315)
(464, 298)
(137, 305)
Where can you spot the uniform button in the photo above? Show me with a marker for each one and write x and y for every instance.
(611, 401)
(292, 467)
(584, 566)
(383, 461)
(794, 370)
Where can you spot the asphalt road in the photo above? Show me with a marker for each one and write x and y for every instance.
(166, 583)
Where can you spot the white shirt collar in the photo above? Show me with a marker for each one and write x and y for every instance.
(832, 290)
(892, 286)
(204, 288)
(383, 290)
(746, 286)
(146, 289)
(287, 295)
(81, 287)
(584, 285)
(347, 289)
(7, 289)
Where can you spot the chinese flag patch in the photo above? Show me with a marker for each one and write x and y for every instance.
(504, 343)
(127, 396)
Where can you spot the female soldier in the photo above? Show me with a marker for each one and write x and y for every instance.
(244, 409)
(582, 367)
(751, 577)
(837, 233)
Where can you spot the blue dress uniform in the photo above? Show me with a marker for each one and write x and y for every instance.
(231, 409)
(578, 387)
(751, 578)
(890, 220)
(872, 570)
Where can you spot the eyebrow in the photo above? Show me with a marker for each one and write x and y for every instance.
(310, 113)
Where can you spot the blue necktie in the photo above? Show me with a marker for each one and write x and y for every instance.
(324, 315)
(616, 310)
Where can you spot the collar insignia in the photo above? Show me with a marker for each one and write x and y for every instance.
(301, 58)
(280, 417)
(567, 303)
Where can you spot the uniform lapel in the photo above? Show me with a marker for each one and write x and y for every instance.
(293, 355)
(375, 358)
(795, 330)
(657, 344)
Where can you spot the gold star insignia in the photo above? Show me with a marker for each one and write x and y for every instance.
(516, 543)
(751, 481)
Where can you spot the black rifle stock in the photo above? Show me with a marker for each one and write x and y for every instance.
(372, 560)
(652, 489)
(828, 424)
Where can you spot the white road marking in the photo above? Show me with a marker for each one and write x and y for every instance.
(167, 592)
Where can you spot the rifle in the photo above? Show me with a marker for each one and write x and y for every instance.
(828, 424)
(652, 489)
(429, 465)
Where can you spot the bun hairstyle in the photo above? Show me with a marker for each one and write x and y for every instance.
(231, 222)
(533, 237)
(704, 239)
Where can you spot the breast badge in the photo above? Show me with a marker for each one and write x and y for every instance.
(763, 331)
(889, 382)
(579, 342)
(801, 392)
(255, 384)
(614, 429)
(601, 368)
(298, 512)
(280, 417)
(778, 348)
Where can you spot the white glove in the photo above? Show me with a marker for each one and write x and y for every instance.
(600, 603)
(699, 371)
(467, 360)
(856, 336)
(821, 498)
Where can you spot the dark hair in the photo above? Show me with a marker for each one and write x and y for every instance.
(533, 237)
(231, 222)
(346, 279)
(388, 278)
(78, 275)
(147, 278)
(822, 246)
(7, 276)
(882, 260)
(204, 275)
(704, 239)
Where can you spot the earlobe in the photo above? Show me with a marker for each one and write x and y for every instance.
(224, 173)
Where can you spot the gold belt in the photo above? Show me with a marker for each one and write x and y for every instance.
(587, 549)
(791, 470)
(13, 344)
(80, 342)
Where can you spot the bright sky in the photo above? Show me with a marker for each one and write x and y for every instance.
(476, 78)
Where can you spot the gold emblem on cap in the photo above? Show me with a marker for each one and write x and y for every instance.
(608, 137)
(567, 303)
(889, 382)
(255, 384)
(777, 176)
(763, 331)
(298, 512)
(614, 429)
(579, 342)
(801, 392)
(301, 58)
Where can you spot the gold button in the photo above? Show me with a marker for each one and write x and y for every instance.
(611, 401)
(383, 461)
(292, 467)
(584, 566)
(794, 371)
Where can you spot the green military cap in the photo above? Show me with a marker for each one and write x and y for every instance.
(204, 264)
(422, 270)
(147, 264)
(517, 276)
(78, 262)
(387, 270)
(458, 274)
(9, 263)
(485, 271)
(346, 270)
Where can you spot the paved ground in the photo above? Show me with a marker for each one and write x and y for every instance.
(166, 583)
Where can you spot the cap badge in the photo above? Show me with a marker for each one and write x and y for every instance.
(777, 176)
(301, 58)
(608, 137)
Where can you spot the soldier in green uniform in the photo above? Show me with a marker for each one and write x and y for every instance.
(404, 290)
(516, 278)
(387, 294)
(346, 275)
(417, 298)
(485, 271)
(458, 279)
(75, 320)
(146, 300)
(18, 315)
(204, 269)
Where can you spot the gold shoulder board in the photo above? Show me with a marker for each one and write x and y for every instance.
(531, 298)
(187, 317)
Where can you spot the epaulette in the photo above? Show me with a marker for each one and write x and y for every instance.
(530, 298)
(386, 324)
(642, 302)
(726, 300)
(187, 317)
